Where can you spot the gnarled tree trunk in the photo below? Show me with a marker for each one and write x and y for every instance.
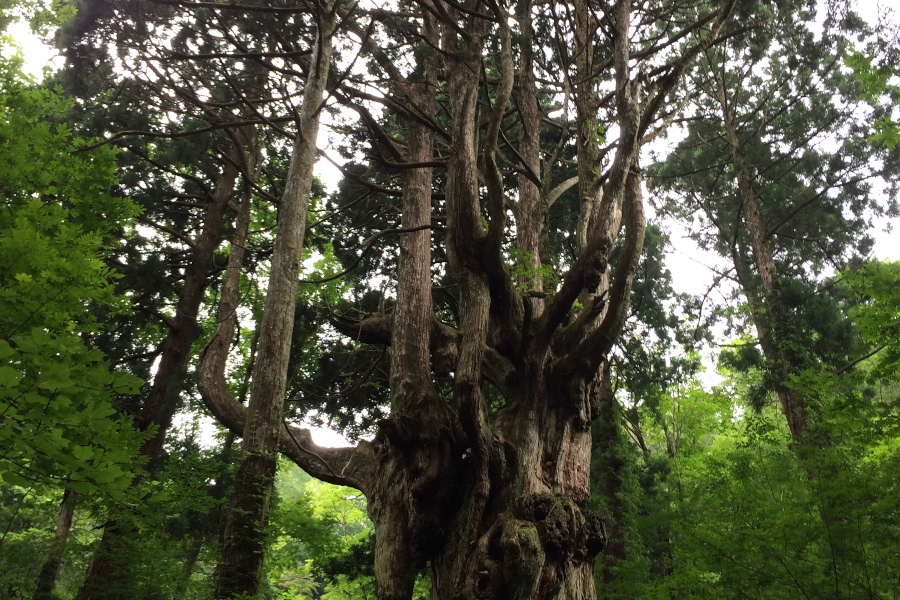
(495, 507)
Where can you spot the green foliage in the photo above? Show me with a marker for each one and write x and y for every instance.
(731, 507)
(23, 539)
(718, 502)
(57, 216)
(322, 542)
(522, 269)
(877, 315)
(42, 15)
(324, 267)
(325, 382)
(874, 82)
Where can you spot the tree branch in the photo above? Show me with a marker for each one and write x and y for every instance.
(592, 351)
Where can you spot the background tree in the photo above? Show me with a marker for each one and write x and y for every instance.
(775, 199)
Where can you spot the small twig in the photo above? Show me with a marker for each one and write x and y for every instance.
(855, 362)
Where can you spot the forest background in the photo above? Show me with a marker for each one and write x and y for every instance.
(775, 478)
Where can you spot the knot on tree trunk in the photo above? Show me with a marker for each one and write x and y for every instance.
(508, 562)
(444, 359)
(567, 531)
(530, 551)
(428, 452)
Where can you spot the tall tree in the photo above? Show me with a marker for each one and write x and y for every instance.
(477, 229)
(493, 497)
(186, 182)
(775, 200)
(243, 550)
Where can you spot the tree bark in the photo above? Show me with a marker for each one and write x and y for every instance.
(47, 577)
(164, 395)
(608, 454)
(243, 551)
(769, 312)
(497, 508)
(531, 210)
(187, 569)
(397, 559)
(500, 509)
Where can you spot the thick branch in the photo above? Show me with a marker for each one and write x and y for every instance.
(444, 346)
(343, 466)
(506, 305)
(590, 353)
(352, 466)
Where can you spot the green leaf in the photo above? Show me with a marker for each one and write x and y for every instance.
(82, 453)
(9, 377)
(12, 478)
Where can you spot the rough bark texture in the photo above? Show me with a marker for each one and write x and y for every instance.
(608, 449)
(512, 520)
(103, 580)
(532, 208)
(165, 394)
(47, 577)
(242, 553)
(397, 560)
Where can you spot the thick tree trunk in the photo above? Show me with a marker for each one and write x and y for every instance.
(243, 551)
(548, 537)
(609, 448)
(534, 538)
(47, 577)
(497, 508)
(411, 450)
(103, 580)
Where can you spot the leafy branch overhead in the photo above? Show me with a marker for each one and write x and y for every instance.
(58, 223)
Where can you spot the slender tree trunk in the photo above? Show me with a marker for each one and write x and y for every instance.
(587, 119)
(47, 577)
(187, 569)
(530, 210)
(769, 312)
(243, 551)
(164, 395)
(783, 351)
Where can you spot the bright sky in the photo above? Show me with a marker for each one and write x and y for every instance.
(37, 54)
